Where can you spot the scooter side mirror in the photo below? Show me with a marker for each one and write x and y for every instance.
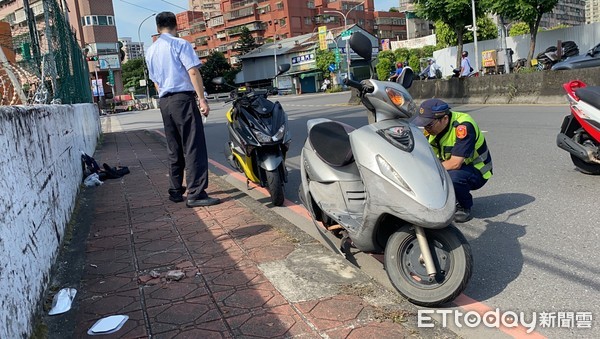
(361, 45)
(406, 77)
(218, 81)
(283, 68)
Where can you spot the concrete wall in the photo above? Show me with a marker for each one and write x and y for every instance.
(533, 88)
(41, 174)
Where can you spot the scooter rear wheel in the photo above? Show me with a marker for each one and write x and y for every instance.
(275, 185)
(585, 167)
(405, 268)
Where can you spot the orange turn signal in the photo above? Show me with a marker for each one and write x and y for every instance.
(395, 96)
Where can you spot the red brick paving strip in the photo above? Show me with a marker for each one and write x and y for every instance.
(223, 294)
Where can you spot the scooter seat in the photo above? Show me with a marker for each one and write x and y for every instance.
(590, 95)
(331, 142)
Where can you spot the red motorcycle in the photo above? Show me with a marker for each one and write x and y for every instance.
(580, 131)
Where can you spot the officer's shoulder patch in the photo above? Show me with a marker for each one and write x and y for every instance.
(461, 131)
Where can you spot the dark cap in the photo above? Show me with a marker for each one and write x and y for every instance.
(430, 110)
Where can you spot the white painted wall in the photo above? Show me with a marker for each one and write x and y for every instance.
(41, 173)
(585, 36)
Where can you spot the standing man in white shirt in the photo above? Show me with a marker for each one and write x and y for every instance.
(465, 65)
(433, 69)
(174, 67)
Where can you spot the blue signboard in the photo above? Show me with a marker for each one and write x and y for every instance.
(303, 58)
(331, 67)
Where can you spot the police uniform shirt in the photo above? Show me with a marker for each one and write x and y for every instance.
(464, 146)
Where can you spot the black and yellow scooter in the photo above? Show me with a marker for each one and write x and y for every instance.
(259, 137)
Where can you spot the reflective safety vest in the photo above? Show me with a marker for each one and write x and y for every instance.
(480, 158)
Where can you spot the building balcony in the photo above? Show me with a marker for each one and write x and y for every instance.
(242, 3)
(252, 27)
(216, 21)
(221, 35)
(202, 41)
(241, 12)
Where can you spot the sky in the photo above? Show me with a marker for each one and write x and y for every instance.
(129, 14)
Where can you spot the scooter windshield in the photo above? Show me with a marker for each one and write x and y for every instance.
(262, 106)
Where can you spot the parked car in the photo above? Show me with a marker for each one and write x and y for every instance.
(590, 59)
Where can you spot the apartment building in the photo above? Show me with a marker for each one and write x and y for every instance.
(566, 12)
(415, 27)
(390, 25)
(93, 24)
(266, 20)
(132, 49)
(209, 8)
(592, 11)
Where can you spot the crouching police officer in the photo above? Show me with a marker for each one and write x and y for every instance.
(458, 142)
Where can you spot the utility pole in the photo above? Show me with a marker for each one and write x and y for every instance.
(35, 44)
(144, 59)
(475, 36)
(345, 16)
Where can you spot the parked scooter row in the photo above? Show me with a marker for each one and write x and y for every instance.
(379, 187)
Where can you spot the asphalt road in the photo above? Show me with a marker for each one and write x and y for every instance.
(535, 232)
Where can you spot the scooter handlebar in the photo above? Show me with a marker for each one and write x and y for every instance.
(354, 84)
(359, 86)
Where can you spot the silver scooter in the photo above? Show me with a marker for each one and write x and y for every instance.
(382, 189)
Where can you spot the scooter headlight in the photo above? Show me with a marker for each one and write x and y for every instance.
(280, 133)
(265, 138)
(390, 173)
(260, 136)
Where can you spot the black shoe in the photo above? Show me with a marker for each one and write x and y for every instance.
(202, 202)
(176, 195)
(462, 214)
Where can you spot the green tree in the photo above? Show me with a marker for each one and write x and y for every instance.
(384, 67)
(445, 35)
(518, 28)
(132, 72)
(246, 41)
(528, 11)
(393, 9)
(455, 13)
(486, 30)
(216, 65)
(387, 55)
(428, 51)
(401, 55)
(324, 59)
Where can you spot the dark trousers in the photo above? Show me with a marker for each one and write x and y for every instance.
(465, 180)
(185, 142)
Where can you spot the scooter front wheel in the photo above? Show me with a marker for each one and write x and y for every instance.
(275, 185)
(405, 267)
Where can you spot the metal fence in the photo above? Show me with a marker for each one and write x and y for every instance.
(48, 65)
